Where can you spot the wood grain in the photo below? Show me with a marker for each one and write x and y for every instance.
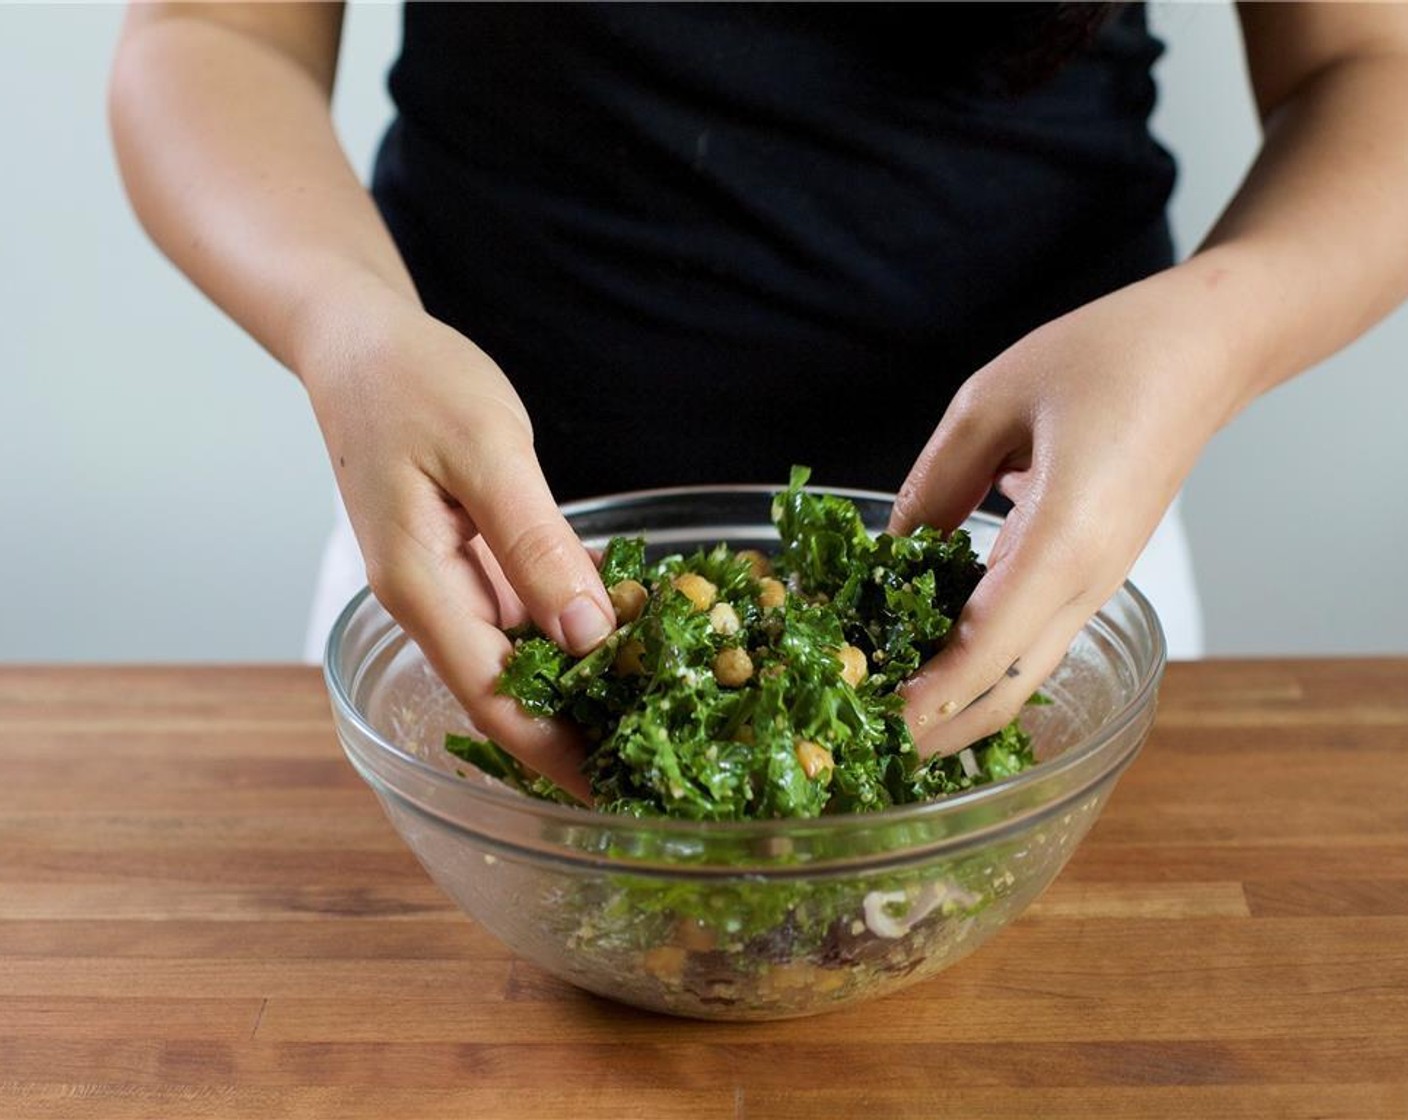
(204, 914)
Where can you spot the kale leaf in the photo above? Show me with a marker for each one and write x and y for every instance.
(799, 734)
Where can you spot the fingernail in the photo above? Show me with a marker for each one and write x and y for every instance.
(584, 624)
(948, 707)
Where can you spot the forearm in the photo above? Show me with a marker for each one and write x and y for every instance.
(228, 152)
(1313, 248)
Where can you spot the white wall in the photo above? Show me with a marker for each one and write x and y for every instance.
(1296, 511)
(162, 490)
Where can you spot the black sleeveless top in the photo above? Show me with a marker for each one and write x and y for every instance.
(708, 241)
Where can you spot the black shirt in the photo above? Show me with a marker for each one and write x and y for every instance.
(707, 241)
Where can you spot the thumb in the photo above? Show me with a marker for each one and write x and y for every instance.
(954, 471)
(508, 500)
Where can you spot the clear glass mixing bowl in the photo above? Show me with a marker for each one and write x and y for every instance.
(741, 920)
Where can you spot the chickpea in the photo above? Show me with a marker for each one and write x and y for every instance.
(724, 619)
(732, 667)
(697, 589)
(813, 757)
(627, 662)
(853, 665)
(693, 935)
(665, 963)
(628, 598)
(771, 593)
(800, 976)
(758, 564)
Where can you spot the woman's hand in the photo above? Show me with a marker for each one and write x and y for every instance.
(221, 121)
(433, 453)
(1089, 425)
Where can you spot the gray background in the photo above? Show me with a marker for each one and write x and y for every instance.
(164, 494)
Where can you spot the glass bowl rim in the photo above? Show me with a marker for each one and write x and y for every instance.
(503, 798)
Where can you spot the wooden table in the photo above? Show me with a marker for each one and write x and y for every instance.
(204, 914)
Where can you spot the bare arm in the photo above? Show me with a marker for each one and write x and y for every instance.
(1315, 243)
(1092, 422)
(220, 116)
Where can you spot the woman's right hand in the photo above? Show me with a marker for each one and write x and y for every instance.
(433, 453)
(221, 121)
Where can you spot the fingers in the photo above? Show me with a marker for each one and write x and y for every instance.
(504, 492)
(1034, 597)
(1013, 631)
(434, 457)
(468, 653)
(430, 584)
(994, 708)
(955, 470)
(511, 611)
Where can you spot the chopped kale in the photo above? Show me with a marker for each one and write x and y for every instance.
(488, 757)
(747, 688)
(624, 558)
(532, 674)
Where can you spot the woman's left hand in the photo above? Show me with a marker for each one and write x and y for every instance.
(1089, 425)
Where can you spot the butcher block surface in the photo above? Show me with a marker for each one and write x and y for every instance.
(203, 913)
